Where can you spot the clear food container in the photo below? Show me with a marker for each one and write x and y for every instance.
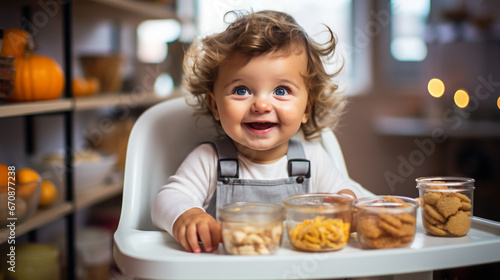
(447, 204)
(318, 221)
(251, 228)
(385, 221)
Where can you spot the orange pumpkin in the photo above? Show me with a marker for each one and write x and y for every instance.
(37, 78)
(85, 86)
(16, 42)
(80, 87)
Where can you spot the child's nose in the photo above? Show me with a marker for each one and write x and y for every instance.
(262, 105)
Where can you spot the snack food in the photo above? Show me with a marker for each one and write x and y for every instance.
(252, 240)
(319, 233)
(446, 205)
(386, 221)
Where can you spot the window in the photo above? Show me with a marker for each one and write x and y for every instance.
(408, 29)
(152, 38)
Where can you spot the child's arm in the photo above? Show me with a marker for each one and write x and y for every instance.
(187, 193)
(194, 224)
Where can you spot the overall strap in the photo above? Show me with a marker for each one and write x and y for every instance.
(227, 166)
(298, 165)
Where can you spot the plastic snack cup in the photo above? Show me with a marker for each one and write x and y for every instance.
(447, 204)
(385, 221)
(318, 222)
(251, 228)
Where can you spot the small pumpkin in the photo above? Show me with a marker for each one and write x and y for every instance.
(16, 42)
(80, 87)
(38, 77)
(85, 86)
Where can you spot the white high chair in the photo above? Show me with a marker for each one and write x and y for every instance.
(160, 140)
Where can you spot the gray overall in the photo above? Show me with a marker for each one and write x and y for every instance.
(230, 188)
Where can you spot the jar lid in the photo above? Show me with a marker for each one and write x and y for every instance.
(325, 202)
(251, 211)
(455, 183)
(36, 251)
(387, 203)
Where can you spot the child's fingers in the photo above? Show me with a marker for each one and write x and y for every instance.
(192, 238)
(181, 238)
(215, 233)
(205, 236)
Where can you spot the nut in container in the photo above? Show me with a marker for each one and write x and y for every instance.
(318, 222)
(446, 205)
(385, 221)
(251, 228)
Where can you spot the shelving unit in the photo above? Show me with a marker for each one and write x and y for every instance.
(420, 127)
(66, 106)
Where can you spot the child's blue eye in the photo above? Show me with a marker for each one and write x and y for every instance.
(241, 91)
(281, 91)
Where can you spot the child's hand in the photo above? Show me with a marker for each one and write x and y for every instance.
(353, 217)
(196, 223)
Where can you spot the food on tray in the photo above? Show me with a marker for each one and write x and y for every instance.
(252, 240)
(385, 223)
(446, 213)
(319, 233)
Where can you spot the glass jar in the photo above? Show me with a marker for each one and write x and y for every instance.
(318, 222)
(35, 261)
(385, 221)
(447, 204)
(251, 228)
(7, 76)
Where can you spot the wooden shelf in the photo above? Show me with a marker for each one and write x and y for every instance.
(420, 127)
(44, 216)
(41, 218)
(144, 8)
(35, 107)
(83, 103)
(95, 195)
(117, 99)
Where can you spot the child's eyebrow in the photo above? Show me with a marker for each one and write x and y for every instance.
(292, 82)
(232, 82)
(289, 81)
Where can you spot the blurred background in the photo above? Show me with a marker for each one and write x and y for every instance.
(423, 81)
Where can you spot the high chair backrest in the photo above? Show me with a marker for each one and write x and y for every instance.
(160, 140)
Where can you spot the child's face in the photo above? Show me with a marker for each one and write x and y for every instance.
(261, 101)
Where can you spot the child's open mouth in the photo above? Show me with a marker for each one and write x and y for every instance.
(261, 125)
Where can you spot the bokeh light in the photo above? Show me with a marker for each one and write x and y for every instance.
(498, 103)
(461, 98)
(436, 87)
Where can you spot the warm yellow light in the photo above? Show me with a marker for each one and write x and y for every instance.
(436, 87)
(461, 98)
(498, 103)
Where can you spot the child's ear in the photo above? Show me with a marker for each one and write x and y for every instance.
(307, 112)
(212, 105)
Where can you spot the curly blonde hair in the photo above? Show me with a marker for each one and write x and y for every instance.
(260, 33)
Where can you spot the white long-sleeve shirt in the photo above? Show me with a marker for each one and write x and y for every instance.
(194, 183)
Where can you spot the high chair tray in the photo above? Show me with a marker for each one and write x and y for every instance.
(156, 255)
